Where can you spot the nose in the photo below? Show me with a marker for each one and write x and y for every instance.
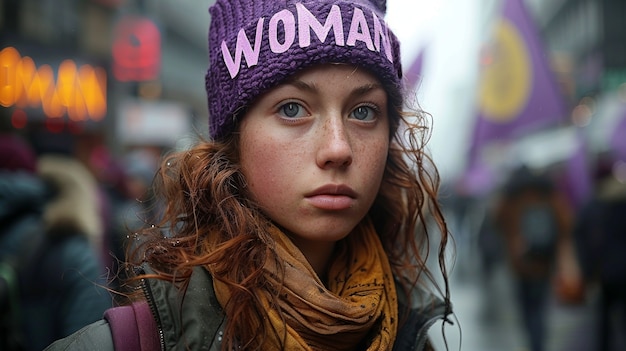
(334, 144)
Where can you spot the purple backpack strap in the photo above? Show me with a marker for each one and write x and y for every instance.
(133, 327)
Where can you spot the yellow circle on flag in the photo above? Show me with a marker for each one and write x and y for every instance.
(506, 82)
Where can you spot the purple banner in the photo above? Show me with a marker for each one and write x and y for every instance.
(518, 92)
(413, 74)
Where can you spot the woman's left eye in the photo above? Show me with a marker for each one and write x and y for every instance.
(364, 113)
(291, 110)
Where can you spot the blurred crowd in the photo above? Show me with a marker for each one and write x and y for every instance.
(68, 207)
(553, 248)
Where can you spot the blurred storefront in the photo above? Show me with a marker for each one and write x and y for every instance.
(70, 68)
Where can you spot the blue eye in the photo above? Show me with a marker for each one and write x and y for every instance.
(291, 110)
(364, 113)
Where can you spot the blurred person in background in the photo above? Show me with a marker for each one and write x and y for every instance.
(141, 209)
(133, 206)
(110, 190)
(600, 234)
(123, 195)
(491, 254)
(49, 228)
(535, 221)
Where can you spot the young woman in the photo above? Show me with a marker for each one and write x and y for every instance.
(304, 222)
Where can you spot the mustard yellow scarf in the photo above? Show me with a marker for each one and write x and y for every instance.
(358, 308)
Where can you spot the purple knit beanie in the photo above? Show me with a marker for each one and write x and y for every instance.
(255, 44)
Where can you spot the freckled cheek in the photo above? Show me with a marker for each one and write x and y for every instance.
(375, 167)
(375, 157)
(266, 171)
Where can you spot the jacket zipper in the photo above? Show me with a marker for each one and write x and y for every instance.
(150, 300)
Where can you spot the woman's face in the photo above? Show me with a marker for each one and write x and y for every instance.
(314, 149)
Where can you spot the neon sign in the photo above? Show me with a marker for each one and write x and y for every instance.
(136, 50)
(78, 92)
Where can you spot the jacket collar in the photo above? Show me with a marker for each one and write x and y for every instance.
(197, 320)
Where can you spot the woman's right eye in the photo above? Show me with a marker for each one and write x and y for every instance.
(291, 110)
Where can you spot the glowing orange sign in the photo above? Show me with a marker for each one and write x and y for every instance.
(78, 92)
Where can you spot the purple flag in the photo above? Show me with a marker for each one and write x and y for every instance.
(478, 180)
(518, 92)
(414, 73)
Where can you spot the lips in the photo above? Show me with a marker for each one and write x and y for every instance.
(332, 197)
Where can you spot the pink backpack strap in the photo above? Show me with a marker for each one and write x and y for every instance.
(133, 327)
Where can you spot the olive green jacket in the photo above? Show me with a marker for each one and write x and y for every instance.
(196, 321)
